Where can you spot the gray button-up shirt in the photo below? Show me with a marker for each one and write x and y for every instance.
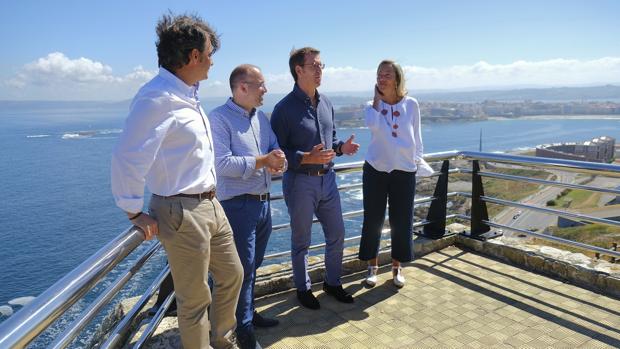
(238, 137)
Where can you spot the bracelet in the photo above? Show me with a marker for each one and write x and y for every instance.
(136, 216)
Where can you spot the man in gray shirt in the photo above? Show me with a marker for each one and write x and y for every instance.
(246, 155)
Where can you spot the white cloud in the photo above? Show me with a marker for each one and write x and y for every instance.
(79, 78)
(57, 76)
(554, 72)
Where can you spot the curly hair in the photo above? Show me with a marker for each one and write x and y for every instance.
(178, 35)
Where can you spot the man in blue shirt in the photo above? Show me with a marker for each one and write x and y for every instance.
(246, 155)
(303, 121)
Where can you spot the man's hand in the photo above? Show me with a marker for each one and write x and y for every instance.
(147, 224)
(318, 156)
(348, 147)
(277, 163)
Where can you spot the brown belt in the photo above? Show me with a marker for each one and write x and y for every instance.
(207, 195)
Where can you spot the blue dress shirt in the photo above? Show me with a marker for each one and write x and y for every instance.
(299, 127)
(238, 137)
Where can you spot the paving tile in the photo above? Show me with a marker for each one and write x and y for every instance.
(452, 299)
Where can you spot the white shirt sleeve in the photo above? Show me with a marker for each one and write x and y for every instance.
(373, 117)
(145, 130)
(417, 132)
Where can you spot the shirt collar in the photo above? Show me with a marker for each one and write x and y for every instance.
(238, 109)
(299, 93)
(180, 85)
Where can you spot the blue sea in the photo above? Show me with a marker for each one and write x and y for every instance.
(57, 209)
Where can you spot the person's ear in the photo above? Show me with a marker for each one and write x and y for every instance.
(194, 56)
(298, 69)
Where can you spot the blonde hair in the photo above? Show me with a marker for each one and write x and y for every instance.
(401, 90)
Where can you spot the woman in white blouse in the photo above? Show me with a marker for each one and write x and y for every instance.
(395, 149)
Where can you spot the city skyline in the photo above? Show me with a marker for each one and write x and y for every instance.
(60, 51)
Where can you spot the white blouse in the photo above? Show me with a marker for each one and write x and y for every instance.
(396, 138)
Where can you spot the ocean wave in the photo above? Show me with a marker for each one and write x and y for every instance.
(37, 136)
(110, 131)
(78, 135)
(6, 310)
(21, 300)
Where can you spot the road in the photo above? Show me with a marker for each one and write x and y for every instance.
(532, 220)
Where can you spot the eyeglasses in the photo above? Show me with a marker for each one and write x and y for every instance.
(315, 65)
(255, 83)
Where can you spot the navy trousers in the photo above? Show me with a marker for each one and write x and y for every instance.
(304, 196)
(250, 220)
(379, 188)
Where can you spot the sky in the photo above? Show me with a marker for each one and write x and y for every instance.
(105, 50)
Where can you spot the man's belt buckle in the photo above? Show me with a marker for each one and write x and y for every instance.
(209, 195)
(263, 197)
(317, 172)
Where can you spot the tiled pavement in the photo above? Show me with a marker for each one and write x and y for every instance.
(452, 299)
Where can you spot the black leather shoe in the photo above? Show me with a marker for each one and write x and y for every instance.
(338, 292)
(259, 321)
(308, 300)
(247, 340)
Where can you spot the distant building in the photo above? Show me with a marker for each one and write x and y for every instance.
(599, 149)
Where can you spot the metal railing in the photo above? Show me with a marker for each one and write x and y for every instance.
(25, 325)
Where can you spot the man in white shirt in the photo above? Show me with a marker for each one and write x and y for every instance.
(167, 145)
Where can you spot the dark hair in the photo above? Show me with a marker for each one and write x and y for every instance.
(178, 35)
(239, 74)
(297, 58)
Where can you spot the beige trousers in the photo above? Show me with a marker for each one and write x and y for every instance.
(198, 239)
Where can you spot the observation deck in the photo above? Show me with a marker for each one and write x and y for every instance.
(475, 282)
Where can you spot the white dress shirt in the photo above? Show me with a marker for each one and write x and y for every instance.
(166, 143)
(386, 152)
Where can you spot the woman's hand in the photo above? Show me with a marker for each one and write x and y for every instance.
(377, 98)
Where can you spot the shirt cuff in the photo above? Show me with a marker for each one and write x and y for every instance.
(130, 205)
(338, 148)
(299, 156)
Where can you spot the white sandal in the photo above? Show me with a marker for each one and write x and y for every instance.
(371, 278)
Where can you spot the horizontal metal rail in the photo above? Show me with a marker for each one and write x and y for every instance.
(350, 214)
(583, 246)
(564, 214)
(547, 182)
(114, 340)
(155, 321)
(566, 242)
(104, 298)
(349, 239)
(558, 164)
(21, 328)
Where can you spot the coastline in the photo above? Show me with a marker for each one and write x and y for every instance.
(558, 117)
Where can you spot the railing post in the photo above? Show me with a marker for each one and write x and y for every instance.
(437, 212)
(479, 211)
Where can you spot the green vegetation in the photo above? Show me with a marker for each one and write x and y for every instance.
(576, 199)
(551, 203)
(592, 234)
(511, 190)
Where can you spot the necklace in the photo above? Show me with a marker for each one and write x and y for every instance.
(393, 123)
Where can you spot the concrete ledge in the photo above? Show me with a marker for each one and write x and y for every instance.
(278, 278)
(586, 275)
